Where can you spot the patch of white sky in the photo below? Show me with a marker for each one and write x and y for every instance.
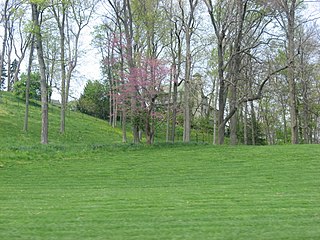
(89, 64)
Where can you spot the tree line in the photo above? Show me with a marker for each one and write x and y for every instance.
(245, 71)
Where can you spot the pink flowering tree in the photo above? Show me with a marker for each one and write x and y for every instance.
(144, 86)
(136, 87)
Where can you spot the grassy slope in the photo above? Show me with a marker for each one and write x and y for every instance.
(80, 128)
(92, 190)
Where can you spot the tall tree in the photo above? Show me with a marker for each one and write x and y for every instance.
(36, 14)
(188, 24)
(220, 15)
(129, 36)
(59, 10)
(175, 51)
(24, 39)
(26, 115)
(289, 8)
(5, 20)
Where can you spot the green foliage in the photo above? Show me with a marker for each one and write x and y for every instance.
(95, 100)
(259, 136)
(19, 88)
(39, 2)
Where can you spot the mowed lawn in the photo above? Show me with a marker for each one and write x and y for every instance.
(161, 192)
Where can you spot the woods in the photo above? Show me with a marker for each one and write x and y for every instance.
(226, 72)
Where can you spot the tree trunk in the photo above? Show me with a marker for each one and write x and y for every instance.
(222, 93)
(292, 97)
(169, 107)
(290, 11)
(26, 116)
(174, 110)
(124, 126)
(149, 127)
(9, 72)
(187, 120)
(216, 86)
(63, 71)
(253, 124)
(234, 118)
(245, 124)
(44, 90)
(5, 36)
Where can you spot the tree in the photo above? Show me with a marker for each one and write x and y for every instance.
(71, 18)
(145, 82)
(59, 10)
(5, 20)
(28, 83)
(289, 9)
(240, 31)
(188, 23)
(20, 87)
(36, 13)
(24, 36)
(94, 100)
(220, 16)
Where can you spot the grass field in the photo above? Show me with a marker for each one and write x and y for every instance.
(95, 189)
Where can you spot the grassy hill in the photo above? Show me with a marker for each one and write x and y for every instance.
(82, 186)
(80, 128)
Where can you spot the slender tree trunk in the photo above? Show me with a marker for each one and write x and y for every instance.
(128, 30)
(222, 93)
(223, 89)
(176, 75)
(111, 112)
(284, 119)
(169, 106)
(44, 90)
(253, 124)
(149, 125)
(216, 86)
(26, 116)
(124, 125)
(9, 77)
(188, 25)
(16, 72)
(245, 124)
(234, 118)
(61, 26)
(174, 110)
(187, 120)
(5, 36)
(291, 75)
(305, 113)
(63, 71)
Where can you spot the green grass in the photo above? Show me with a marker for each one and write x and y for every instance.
(80, 129)
(97, 190)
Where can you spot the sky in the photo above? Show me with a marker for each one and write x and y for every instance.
(88, 67)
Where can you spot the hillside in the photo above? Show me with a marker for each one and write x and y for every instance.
(80, 128)
(83, 186)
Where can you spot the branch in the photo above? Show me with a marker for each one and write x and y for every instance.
(259, 94)
(255, 97)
